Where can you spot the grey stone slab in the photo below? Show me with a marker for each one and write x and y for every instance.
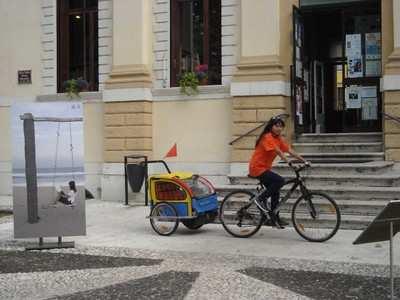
(167, 285)
(26, 262)
(321, 285)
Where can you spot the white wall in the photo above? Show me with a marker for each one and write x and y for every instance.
(20, 47)
(5, 152)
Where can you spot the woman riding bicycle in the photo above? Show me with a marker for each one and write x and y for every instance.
(268, 145)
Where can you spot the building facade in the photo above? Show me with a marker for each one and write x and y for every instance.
(310, 59)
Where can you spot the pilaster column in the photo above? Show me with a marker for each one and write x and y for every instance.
(128, 107)
(391, 78)
(261, 85)
(132, 47)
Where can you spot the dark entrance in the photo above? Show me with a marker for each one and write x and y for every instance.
(337, 67)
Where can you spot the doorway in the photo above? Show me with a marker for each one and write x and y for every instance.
(337, 67)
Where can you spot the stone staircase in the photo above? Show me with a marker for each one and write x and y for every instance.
(348, 167)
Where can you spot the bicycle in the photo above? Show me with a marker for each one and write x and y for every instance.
(315, 216)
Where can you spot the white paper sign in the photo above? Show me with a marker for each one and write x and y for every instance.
(353, 45)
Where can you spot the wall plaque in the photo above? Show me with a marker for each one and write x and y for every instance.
(25, 77)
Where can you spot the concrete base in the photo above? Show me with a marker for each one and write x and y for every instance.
(93, 175)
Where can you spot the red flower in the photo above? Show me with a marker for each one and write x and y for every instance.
(201, 68)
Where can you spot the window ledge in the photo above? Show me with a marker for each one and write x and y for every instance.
(84, 96)
(206, 92)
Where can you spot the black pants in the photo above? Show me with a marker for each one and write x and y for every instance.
(273, 182)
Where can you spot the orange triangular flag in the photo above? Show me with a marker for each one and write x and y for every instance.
(173, 152)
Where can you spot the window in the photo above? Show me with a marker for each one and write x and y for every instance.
(77, 52)
(196, 40)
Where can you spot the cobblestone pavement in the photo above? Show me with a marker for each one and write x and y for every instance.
(122, 273)
(122, 258)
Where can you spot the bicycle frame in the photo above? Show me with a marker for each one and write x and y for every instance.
(297, 182)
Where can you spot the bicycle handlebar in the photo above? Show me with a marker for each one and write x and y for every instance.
(298, 169)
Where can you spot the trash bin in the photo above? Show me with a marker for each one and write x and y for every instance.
(135, 173)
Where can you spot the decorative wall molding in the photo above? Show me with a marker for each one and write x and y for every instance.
(260, 88)
(129, 94)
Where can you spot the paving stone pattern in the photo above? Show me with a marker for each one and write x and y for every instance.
(168, 285)
(26, 262)
(320, 285)
(123, 273)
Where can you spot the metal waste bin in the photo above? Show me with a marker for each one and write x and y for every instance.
(135, 173)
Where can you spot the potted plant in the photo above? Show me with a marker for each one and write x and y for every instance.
(202, 74)
(74, 86)
(189, 83)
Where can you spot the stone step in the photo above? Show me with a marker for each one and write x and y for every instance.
(350, 222)
(350, 157)
(375, 167)
(337, 147)
(381, 180)
(370, 137)
(336, 192)
(347, 207)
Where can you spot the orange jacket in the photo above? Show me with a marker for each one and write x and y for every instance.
(265, 153)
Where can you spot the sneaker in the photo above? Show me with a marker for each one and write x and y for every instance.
(274, 219)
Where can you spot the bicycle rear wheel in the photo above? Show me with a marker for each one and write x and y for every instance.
(239, 215)
(164, 219)
(316, 217)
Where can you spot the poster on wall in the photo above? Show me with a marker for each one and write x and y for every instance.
(58, 206)
(355, 68)
(299, 105)
(369, 95)
(353, 97)
(373, 68)
(373, 45)
(354, 55)
(369, 109)
(353, 45)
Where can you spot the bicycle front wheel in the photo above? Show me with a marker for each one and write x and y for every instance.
(239, 215)
(316, 217)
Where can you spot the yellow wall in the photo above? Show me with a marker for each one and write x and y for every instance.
(93, 129)
(387, 30)
(20, 46)
(260, 27)
(201, 129)
(132, 36)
